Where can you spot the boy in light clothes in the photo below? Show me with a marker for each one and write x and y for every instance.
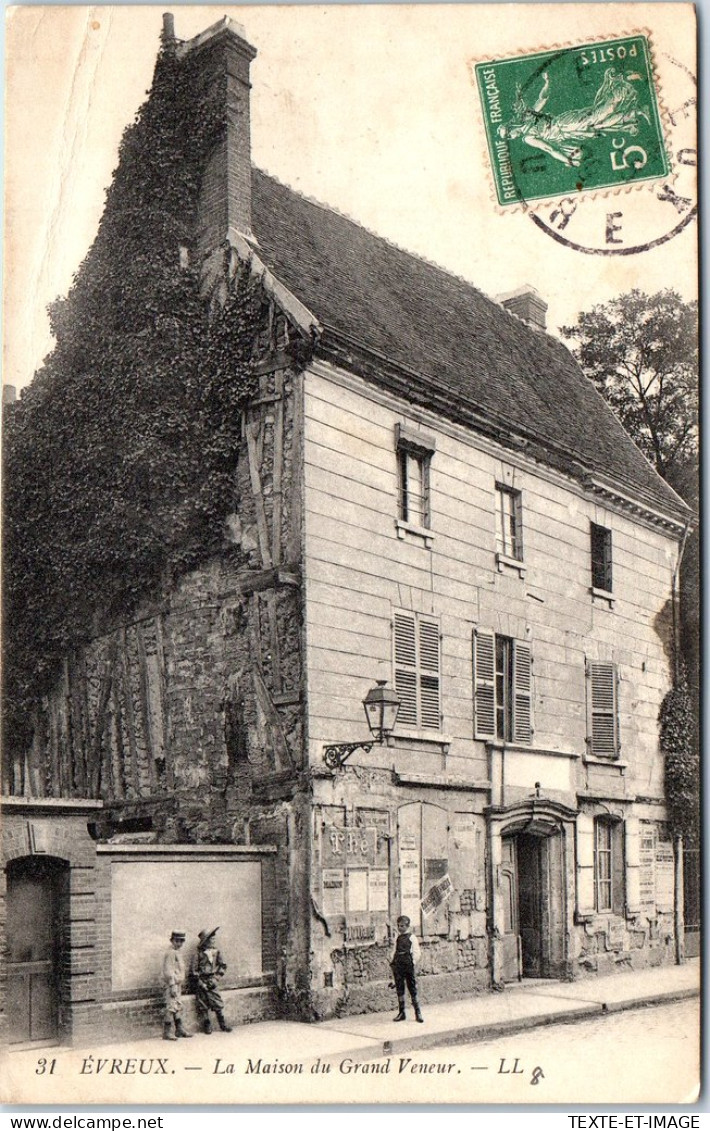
(173, 977)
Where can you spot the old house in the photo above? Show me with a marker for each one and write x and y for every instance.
(428, 496)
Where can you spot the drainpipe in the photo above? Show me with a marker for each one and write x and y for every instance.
(678, 913)
(678, 918)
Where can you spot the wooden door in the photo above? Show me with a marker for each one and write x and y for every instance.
(552, 907)
(32, 915)
(508, 883)
(530, 904)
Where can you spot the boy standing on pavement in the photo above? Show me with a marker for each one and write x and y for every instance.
(173, 978)
(403, 959)
(208, 966)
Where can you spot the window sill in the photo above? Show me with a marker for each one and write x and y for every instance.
(594, 918)
(417, 532)
(522, 748)
(603, 596)
(598, 760)
(506, 563)
(442, 781)
(432, 737)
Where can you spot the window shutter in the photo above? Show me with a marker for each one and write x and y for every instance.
(484, 692)
(522, 692)
(405, 668)
(602, 693)
(429, 663)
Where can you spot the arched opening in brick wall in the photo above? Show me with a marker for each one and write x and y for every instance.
(37, 925)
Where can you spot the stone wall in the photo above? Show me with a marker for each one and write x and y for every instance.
(394, 838)
(185, 720)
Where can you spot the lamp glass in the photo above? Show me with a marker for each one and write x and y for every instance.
(373, 713)
(381, 706)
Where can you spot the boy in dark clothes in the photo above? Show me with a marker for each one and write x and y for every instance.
(403, 959)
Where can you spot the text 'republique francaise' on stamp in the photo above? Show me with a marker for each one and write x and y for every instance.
(571, 120)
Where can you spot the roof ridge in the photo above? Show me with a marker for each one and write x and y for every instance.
(397, 247)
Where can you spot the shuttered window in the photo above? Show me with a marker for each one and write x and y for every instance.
(602, 709)
(502, 688)
(417, 675)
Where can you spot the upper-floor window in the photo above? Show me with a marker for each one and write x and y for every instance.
(600, 538)
(602, 709)
(413, 487)
(509, 522)
(608, 865)
(414, 452)
(502, 687)
(417, 670)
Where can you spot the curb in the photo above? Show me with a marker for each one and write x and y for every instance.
(469, 1033)
(663, 998)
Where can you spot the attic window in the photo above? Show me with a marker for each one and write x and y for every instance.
(414, 453)
(600, 544)
(509, 529)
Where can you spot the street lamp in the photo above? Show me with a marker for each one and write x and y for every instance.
(381, 706)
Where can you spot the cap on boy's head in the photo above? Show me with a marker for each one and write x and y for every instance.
(403, 921)
(178, 935)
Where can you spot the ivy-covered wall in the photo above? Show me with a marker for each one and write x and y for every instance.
(121, 459)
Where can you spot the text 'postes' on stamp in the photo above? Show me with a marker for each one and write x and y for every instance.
(571, 119)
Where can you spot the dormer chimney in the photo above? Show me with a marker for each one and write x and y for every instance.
(224, 57)
(526, 304)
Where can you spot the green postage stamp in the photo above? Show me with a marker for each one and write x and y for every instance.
(571, 119)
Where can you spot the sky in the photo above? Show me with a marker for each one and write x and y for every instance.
(371, 110)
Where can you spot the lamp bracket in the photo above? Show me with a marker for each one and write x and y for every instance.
(338, 753)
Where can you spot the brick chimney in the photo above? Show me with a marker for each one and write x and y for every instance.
(225, 198)
(527, 305)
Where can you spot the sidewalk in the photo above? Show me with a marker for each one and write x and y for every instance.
(518, 1007)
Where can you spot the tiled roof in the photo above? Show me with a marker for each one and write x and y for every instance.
(436, 325)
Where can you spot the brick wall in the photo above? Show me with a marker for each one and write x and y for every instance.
(64, 841)
(225, 198)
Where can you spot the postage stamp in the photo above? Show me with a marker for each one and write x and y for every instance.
(572, 119)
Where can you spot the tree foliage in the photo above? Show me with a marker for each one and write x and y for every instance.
(641, 352)
(682, 767)
(119, 459)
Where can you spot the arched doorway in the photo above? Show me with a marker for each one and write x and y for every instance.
(533, 907)
(37, 892)
(532, 894)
